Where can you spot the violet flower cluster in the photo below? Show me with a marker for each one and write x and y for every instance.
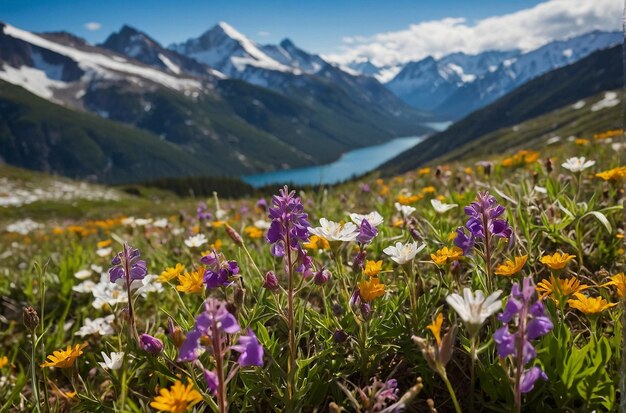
(128, 258)
(219, 270)
(528, 314)
(203, 212)
(289, 228)
(484, 213)
(367, 232)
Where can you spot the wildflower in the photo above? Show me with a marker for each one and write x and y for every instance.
(435, 328)
(407, 199)
(101, 326)
(215, 316)
(440, 207)
(334, 231)
(177, 399)
(30, 318)
(511, 267)
(429, 190)
(405, 210)
(82, 274)
(104, 244)
(219, 270)
(128, 261)
(374, 218)
(359, 260)
(373, 268)
(581, 141)
(171, 272)
(371, 289)
(589, 305)
(270, 282)
(403, 253)
(619, 281)
(253, 232)
(367, 232)
(104, 252)
(614, 174)
(250, 349)
(4, 361)
(316, 243)
(321, 277)
(196, 241)
(192, 282)
(212, 381)
(444, 254)
(64, 358)
(529, 317)
(112, 362)
(202, 212)
(150, 344)
(424, 171)
(473, 308)
(557, 288)
(557, 261)
(575, 164)
(485, 211)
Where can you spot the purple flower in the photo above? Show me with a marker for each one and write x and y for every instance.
(215, 317)
(529, 377)
(250, 349)
(321, 277)
(359, 260)
(218, 270)
(483, 212)
(203, 213)
(262, 204)
(466, 243)
(212, 382)
(289, 221)
(150, 344)
(128, 259)
(364, 187)
(270, 282)
(367, 232)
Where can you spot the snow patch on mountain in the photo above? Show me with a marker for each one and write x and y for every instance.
(34, 80)
(609, 100)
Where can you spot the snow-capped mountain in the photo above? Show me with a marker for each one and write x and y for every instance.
(290, 55)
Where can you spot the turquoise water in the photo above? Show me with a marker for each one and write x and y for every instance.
(351, 164)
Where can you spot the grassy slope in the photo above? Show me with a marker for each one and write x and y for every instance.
(598, 72)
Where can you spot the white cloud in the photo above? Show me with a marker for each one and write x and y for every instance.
(526, 30)
(93, 26)
(263, 34)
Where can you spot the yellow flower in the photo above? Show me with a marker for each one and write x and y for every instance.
(177, 399)
(371, 289)
(468, 170)
(253, 232)
(105, 243)
(64, 358)
(218, 224)
(452, 235)
(423, 171)
(608, 134)
(509, 267)
(316, 243)
(69, 394)
(581, 141)
(372, 268)
(558, 288)
(171, 272)
(589, 305)
(4, 360)
(435, 328)
(408, 199)
(614, 174)
(445, 254)
(619, 281)
(191, 282)
(397, 223)
(58, 230)
(429, 190)
(557, 261)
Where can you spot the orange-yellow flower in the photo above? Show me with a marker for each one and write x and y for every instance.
(435, 328)
(429, 190)
(171, 272)
(581, 141)
(557, 261)
(614, 174)
(253, 232)
(4, 360)
(408, 199)
(447, 254)
(64, 358)
(373, 268)
(191, 282)
(176, 399)
(589, 305)
(316, 243)
(423, 171)
(558, 288)
(619, 281)
(104, 244)
(511, 267)
(371, 289)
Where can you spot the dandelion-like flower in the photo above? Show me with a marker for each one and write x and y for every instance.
(619, 282)
(177, 399)
(473, 308)
(446, 254)
(511, 267)
(371, 289)
(589, 305)
(171, 272)
(373, 268)
(557, 261)
(558, 289)
(64, 358)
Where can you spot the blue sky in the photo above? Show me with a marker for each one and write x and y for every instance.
(319, 26)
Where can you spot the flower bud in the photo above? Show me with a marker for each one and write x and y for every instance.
(234, 235)
(321, 277)
(271, 282)
(359, 260)
(176, 333)
(150, 344)
(366, 310)
(340, 336)
(31, 319)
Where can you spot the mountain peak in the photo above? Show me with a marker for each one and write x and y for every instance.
(286, 43)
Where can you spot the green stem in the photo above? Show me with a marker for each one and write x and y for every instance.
(33, 372)
(472, 373)
(444, 376)
(292, 344)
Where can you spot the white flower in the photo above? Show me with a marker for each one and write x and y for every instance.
(405, 210)
(440, 207)
(553, 140)
(147, 285)
(262, 224)
(106, 292)
(374, 218)
(575, 164)
(196, 241)
(24, 227)
(84, 287)
(474, 308)
(104, 252)
(112, 362)
(101, 326)
(403, 253)
(82, 274)
(617, 146)
(142, 222)
(130, 221)
(334, 231)
(97, 268)
(160, 223)
(540, 189)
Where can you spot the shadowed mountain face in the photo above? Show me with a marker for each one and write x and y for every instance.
(600, 71)
(218, 124)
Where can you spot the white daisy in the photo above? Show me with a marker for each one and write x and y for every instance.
(374, 218)
(101, 326)
(104, 252)
(403, 253)
(334, 231)
(196, 241)
(112, 362)
(160, 223)
(576, 164)
(82, 274)
(473, 308)
(440, 207)
(405, 210)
